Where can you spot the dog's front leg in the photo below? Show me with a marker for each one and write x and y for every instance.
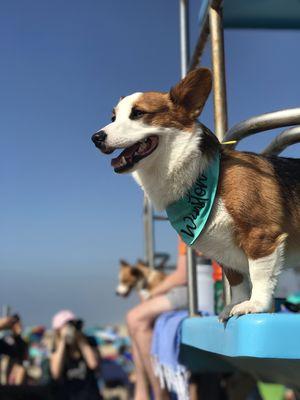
(264, 273)
(239, 290)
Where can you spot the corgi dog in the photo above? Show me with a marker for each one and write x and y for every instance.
(139, 277)
(253, 228)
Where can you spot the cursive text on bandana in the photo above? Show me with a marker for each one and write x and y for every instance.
(189, 214)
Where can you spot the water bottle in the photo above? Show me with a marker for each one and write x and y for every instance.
(205, 285)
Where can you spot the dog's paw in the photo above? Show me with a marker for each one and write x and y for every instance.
(247, 307)
(225, 314)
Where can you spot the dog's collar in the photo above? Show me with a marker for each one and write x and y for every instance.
(189, 214)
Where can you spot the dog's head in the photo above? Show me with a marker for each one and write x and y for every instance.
(129, 276)
(142, 122)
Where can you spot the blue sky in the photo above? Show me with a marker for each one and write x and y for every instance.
(65, 217)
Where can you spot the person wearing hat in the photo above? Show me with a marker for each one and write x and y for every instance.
(74, 360)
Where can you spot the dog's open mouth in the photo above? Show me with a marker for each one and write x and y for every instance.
(131, 155)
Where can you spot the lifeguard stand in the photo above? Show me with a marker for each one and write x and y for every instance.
(265, 345)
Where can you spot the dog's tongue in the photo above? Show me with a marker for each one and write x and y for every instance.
(126, 157)
(134, 153)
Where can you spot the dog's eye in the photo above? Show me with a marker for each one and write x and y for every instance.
(136, 113)
(113, 118)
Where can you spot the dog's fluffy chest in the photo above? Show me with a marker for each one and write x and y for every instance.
(217, 239)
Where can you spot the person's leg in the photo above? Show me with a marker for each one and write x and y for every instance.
(141, 387)
(140, 323)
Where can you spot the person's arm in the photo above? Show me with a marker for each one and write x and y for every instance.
(57, 359)
(88, 352)
(176, 278)
(6, 323)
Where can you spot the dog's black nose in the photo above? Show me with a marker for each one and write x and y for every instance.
(99, 137)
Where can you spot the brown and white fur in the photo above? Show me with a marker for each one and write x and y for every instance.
(139, 277)
(254, 227)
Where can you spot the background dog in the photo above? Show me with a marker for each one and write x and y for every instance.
(139, 277)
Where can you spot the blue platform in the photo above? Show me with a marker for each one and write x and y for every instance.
(266, 345)
(256, 335)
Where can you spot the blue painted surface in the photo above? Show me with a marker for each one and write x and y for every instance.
(257, 335)
(272, 14)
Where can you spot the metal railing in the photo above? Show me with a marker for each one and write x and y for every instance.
(282, 141)
(264, 122)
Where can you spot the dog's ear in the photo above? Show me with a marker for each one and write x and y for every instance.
(124, 263)
(192, 91)
(142, 263)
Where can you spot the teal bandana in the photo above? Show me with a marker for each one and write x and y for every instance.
(189, 214)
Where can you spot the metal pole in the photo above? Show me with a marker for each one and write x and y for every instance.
(192, 282)
(204, 33)
(218, 64)
(220, 101)
(184, 36)
(184, 51)
(148, 232)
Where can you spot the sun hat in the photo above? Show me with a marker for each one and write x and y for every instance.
(61, 318)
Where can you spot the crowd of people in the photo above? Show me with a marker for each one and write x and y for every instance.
(63, 363)
(69, 362)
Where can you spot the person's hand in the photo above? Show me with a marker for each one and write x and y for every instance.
(80, 338)
(7, 322)
(145, 294)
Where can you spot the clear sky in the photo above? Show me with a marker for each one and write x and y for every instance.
(65, 217)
